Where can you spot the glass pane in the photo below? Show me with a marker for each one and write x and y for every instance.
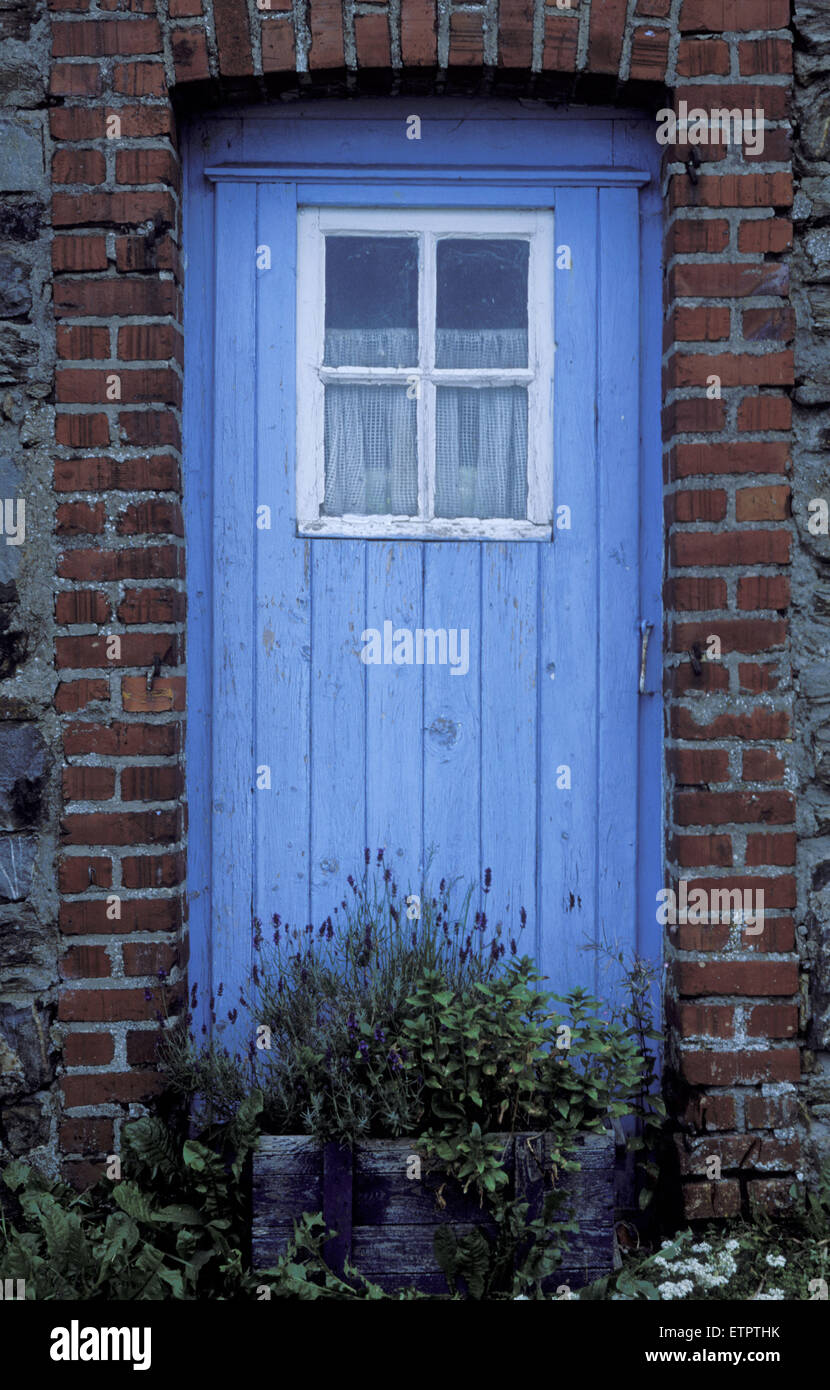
(371, 301)
(481, 451)
(371, 451)
(481, 318)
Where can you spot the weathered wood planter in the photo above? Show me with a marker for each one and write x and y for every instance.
(385, 1220)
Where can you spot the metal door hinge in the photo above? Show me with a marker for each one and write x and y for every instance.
(645, 633)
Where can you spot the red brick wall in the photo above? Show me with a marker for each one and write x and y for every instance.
(733, 1004)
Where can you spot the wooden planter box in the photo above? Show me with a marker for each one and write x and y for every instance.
(385, 1221)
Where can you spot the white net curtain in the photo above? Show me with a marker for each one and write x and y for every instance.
(371, 430)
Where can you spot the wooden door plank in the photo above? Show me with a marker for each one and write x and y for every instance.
(338, 721)
(452, 717)
(395, 713)
(618, 520)
(568, 690)
(509, 596)
(233, 614)
(283, 610)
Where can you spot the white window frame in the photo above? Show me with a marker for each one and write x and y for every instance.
(534, 225)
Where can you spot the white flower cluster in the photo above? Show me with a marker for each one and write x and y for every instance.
(771, 1294)
(715, 1273)
(776, 1261)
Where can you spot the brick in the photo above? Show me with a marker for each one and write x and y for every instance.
(78, 166)
(764, 413)
(167, 694)
(771, 99)
(76, 123)
(764, 235)
(148, 957)
(760, 723)
(515, 33)
(79, 518)
(768, 503)
(763, 591)
(730, 1068)
(78, 871)
(708, 1112)
(105, 298)
(121, 740)
(770, 850)
(751, 977)
(733, 190)
(699, 57)
(723, 808)
(95, 916)
(697, 766)
(734, 369)
(765, 57)
(136, 649)
(682, 679)
(150, 429)
(105, 1005)
(142, 1047)
(700, 851)
(696, 593)
(755, 678)
(104, 1088)
(233, 38)
(92, 1134)
(560, 40)
(88, 783)
(707, 1201)
(777, 936)
(704, 323)
(693, 415)
(153, 870)
(138, 253)
(689, 235)
(738, 635)
(466, 38)
(778, 891)
(152, 606)
(777, 323)
(605, 36)
(94, 39)
(75, 80)
(728, 15)
(649, 55)
(696, 506)
(145, 121)
(82, 342)
(771, 1196)
(151, 783)
(705, 1020)
(772, 1021)
(418, 36)
(147, 166)
(763, 765)
(85, 963)
(326, 34)
(770, 1112)
(732, 457)
(159, 473)
(78, 253)
(149, 341)
(82, 431)
(151, 562)
(372, 40)
(143, 79)
(74, 695)
(76, 387)
(728, 281)
(730, 548)
(184, 9)
(151, 518)
(278, 51)
(120, 828)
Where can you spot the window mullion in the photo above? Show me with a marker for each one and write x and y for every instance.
(428, 364)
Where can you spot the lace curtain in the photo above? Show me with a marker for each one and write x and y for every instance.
(371, 431)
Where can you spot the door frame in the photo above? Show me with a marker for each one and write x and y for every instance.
(211, 148)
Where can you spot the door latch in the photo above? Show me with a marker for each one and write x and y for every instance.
(645, 633)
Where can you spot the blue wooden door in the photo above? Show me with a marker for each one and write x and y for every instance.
(535, 763)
